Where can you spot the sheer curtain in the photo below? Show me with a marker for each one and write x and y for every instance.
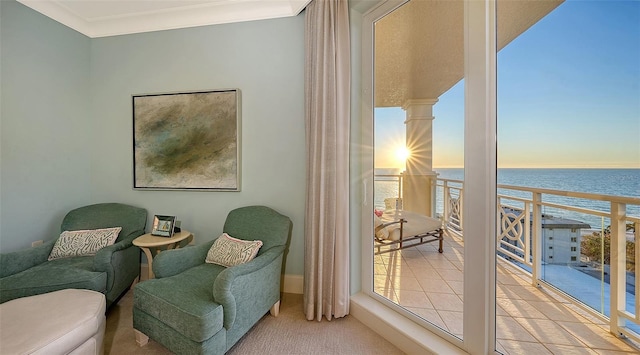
(327, 111)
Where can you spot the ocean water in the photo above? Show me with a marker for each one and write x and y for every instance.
(616, 182)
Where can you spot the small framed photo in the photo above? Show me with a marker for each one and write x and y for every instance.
(163, 225)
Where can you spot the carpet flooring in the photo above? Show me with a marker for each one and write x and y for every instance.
(289, 333)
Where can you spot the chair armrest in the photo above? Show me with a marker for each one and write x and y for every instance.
(18, 261)
(174, 261)
(121, 263)
(224, 284)
(102, 260)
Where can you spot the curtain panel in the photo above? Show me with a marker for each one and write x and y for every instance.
(327, 115)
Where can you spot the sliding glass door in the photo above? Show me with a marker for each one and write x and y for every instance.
(418, 118)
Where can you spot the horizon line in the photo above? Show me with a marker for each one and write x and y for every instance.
(534, 167)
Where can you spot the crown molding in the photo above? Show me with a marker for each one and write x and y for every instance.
(126, 17)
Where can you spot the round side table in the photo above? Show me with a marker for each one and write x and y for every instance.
(146, 242)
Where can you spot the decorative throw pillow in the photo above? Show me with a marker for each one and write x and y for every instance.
(381, 233)
(229, 251)
(83, 242)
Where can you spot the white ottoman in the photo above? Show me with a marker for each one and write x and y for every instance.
(61, 322)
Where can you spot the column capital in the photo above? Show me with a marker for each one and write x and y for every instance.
(419, 109)
(418, 102)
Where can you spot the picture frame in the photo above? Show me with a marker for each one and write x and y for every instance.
(187, 141)
(162, 226)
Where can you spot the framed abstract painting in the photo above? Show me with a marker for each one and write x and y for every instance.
(187, 141)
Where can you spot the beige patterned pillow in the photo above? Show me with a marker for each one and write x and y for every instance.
(83, 242)
(228, 251)
(383, 233)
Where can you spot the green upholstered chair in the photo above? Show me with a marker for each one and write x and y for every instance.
(193, 307)
(111, 271)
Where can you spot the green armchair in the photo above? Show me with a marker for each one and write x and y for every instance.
(111, 271)
(193, 307)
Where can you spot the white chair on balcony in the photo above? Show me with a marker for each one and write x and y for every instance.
(397, 229)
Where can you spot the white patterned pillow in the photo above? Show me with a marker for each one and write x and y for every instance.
(229, 251)
(83, 242)
(382, 233)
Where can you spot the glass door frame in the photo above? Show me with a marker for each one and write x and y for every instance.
(480, 148)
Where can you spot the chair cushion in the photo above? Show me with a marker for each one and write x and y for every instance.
(194, 314)
(52, 323)
(76, 272)
(381, 233)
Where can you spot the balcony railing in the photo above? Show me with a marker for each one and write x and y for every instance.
(552, 235)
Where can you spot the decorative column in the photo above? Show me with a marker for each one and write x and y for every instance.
(419, 178)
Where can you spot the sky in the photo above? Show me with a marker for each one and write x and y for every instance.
(568, 96)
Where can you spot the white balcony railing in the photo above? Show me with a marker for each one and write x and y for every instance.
(534, 225)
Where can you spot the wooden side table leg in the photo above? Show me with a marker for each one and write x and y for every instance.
(147, 252)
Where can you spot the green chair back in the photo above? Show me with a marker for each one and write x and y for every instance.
(259, 222)
(106, 215)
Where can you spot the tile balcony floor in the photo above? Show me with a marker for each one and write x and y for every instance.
(528, 320)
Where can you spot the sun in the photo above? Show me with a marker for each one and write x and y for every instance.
(402, 154)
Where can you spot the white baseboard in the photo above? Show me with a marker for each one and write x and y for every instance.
(397, 329)
(293, 284)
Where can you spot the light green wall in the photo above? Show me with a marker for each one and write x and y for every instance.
(265, 60)
(45, 125)
(67, 122)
